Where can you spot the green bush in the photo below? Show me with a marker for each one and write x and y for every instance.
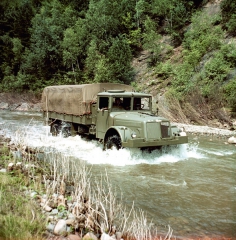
(182, 78)
(206, 60)
(216, 69)
(228, 11)
(230, 93)
(202, 37)
(164, 70)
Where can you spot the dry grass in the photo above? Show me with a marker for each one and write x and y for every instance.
(67, 181)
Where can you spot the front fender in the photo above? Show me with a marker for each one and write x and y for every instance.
(123, 132)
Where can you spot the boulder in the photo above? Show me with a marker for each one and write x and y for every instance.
(232, 140)
(4, 105)
(47, 208)
(234, 125)
(105, 236)
(10, 166)
(54, 211)
(90, 236)
(60, 228)
(73, 237)
(118, 235)
(14, 106)
(50, 227)
(19, 165)
(23, 107)
(36, 107)
(70, 221)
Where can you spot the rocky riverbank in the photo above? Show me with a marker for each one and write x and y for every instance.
(20, 102)
(208, 131)
(24, 106)
(73, 209)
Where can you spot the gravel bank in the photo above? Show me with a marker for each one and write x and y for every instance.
(206, 131)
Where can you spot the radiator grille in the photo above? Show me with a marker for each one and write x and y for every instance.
(165, 129)
(153, 130)
(158, 130)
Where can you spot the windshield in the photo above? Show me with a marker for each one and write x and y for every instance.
(129, 103)
(142, 103)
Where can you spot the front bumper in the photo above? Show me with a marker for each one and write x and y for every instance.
(141, 143)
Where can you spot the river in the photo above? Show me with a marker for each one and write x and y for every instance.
(192, 187)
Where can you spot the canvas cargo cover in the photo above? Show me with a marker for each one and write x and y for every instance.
(75, 99)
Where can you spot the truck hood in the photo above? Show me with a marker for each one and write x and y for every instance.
(130, 119)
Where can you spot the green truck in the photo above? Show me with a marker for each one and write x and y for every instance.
(112, 113)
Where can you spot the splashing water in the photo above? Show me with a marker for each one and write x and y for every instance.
(92, 151)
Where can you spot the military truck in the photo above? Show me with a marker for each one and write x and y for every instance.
(114, 114)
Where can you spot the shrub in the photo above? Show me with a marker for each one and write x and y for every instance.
(164, 70)
(230, 93)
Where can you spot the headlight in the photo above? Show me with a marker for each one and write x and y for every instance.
(182, 134)
(133, 135)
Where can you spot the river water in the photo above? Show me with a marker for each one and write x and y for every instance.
(192, 188)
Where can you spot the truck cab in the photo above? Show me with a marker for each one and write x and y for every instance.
(125, 119)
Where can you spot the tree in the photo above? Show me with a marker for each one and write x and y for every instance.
(15, 20)
(103, 19)
(70, 50)
(151, 40)
(120, 56)
(44, 57)
(228, 11)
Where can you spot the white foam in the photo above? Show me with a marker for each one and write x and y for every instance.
(92, 151)
(39, 136)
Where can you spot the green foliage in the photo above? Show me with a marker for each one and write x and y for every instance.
(111, 66)
(228, 11)
(43, 58)
(74, 41)
(120, 56)
(103, 18)
(203, 64)
(230, 93)
(133, 34)
(201, 38)
(182, 83)
(216, 69)
(175, 13)
(165, 70)
(151, 40)
(140, 8)
(16, 212)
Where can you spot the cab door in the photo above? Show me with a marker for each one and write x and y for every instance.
(102, 117)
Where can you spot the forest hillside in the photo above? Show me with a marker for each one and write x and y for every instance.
(181, 51)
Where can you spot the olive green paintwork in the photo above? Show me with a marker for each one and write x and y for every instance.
(133, 121)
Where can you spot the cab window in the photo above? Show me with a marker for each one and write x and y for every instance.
(103, 102)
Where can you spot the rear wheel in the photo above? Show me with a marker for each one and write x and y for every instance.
(65, 132)
(113, 141)
(54, 129)
(62, 128)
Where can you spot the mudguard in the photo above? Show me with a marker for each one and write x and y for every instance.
(122, 131)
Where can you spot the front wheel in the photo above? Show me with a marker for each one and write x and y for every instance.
(113, 142)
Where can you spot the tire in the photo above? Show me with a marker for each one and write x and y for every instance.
(65, 132)
(54, 129)
(57, 128)
(113, 141)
